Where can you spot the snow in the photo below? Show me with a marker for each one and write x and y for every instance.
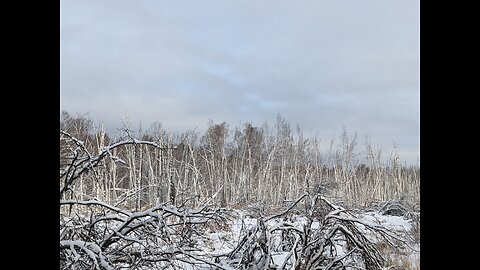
(279, 257)
(221, 241)
(398, 223)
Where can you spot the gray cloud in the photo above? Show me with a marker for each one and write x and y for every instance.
(321, 64)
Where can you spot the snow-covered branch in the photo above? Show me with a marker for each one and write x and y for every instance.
(83, 161)
(113, 237)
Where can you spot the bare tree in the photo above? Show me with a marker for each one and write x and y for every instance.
(146, 203)
(95, 234)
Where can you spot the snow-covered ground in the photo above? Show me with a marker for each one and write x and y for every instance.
(222, 246)
(224, 241)
(409, 255)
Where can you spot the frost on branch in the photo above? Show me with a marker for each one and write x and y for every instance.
(109, 238)
(96, 235)
(310, 233)
(329, 237)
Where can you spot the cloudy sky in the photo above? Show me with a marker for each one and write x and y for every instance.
(323, 65)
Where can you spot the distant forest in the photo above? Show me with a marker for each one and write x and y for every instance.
(230, 167)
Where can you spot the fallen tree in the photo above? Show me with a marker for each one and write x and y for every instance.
(330, 238)
(112, 238)
(98, 235)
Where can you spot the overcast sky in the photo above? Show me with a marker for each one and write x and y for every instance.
(323, 65)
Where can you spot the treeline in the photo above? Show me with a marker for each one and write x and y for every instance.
(233, 166)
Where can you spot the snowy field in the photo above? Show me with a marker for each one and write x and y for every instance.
(222, 242)
(335, 239)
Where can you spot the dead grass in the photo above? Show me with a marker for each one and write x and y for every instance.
(397, 259)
